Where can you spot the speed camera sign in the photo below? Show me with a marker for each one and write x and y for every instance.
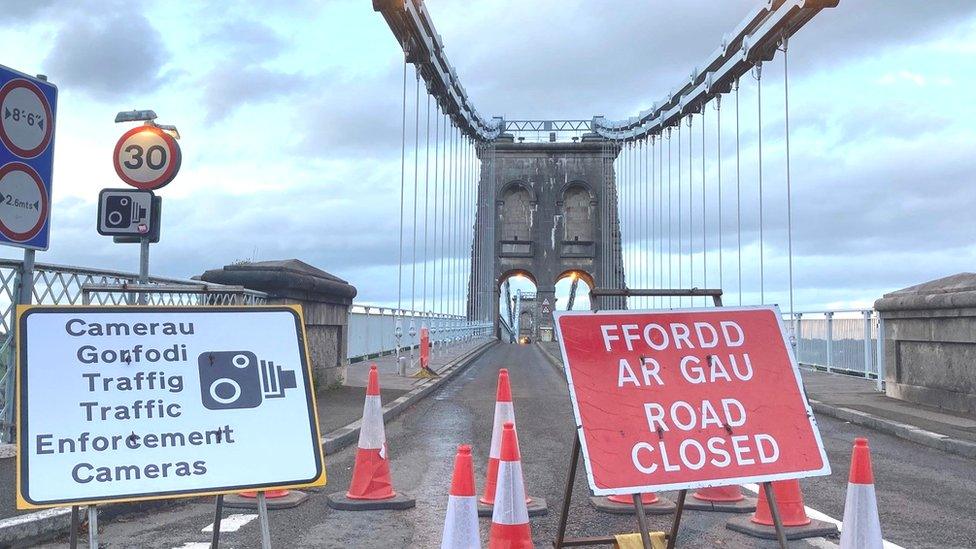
(147, 158)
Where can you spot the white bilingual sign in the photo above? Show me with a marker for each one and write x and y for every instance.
(132, 403)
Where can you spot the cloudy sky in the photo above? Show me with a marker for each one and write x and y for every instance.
(290, 121)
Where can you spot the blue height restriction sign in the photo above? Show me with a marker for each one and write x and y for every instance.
(28, 107)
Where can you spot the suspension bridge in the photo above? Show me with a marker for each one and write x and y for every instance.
(502, 222)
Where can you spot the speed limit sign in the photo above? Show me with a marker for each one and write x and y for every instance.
(147, 158)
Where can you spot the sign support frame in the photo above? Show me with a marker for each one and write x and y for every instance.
(672, 536)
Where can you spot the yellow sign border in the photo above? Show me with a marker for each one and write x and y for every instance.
(23, 504)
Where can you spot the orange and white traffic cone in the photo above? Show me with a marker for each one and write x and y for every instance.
(510, 518)
(371, 486)
(461, 521)
(504, 412)
(792, 513)
(723, 499)
(275, 499)
(862, 527)
(624, 504)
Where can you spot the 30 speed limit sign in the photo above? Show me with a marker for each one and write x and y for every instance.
(147, 158)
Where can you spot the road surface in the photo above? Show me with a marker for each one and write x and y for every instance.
(927, 497)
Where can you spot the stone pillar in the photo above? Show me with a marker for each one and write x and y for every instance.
(324, 298)
(930, 343)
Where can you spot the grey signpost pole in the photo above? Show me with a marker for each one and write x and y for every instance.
(92, 526)
(143, 269)
(263, 517)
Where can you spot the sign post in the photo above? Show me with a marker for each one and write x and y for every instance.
(28, 108)
(138, 403)
(146, 157)
(681, 399)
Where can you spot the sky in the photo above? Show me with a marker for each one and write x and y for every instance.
(290, 122)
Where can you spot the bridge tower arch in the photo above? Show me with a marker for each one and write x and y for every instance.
(554, 211)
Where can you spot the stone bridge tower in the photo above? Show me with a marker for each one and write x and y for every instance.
(554, 212)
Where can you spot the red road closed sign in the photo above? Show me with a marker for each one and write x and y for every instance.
(687, 398)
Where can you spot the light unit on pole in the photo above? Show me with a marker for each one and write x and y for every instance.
(147, 116)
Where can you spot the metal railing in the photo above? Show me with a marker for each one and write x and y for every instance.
(372, 330)
(845, 341)
(69, 285)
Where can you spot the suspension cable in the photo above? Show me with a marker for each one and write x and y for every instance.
(423, 307)
(416, 185)
(403, 177)
(433, 246)
(721, 228)
(691, 210)
(704, 215)
(738, 189)
(670, 225)
(762, 268)
(660, 218)
(444, 210)
(789, 187)
(681, 242)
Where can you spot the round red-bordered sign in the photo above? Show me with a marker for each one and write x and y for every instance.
(147, 158)
(27, 97)
(10, 201)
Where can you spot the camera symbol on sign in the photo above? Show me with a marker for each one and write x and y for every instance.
(122, 211)
(237, 379)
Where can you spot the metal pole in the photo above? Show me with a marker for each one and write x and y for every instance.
(881, 354)
(642, 521)
(774, 511)
(867, 343)
(218, 512)
(143, 268)
(263, 517)
(92, 526)
(830, 340)
(73, 533)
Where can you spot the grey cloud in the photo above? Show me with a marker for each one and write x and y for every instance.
(230, 87)
(358, 118)
(108, 57)
(246, 39)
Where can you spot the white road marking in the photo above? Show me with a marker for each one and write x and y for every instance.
(194, 545)
(814, 514)
(230, 523)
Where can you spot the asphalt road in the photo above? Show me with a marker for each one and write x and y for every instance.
(927, 498)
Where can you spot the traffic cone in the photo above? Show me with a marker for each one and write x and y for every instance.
(504, 413)
(624, 504)
(461, 522)
(724, 499)
(275, 499)
(371, 486)
(510, 518)
(862, 527)
(792, 512)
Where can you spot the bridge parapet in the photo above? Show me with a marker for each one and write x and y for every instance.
(325, 298)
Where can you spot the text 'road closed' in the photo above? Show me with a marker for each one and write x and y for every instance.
(684, 399)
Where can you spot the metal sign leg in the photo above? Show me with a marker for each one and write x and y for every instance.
(93, 527)
(642, 521)
(143, 268)
(218, 514)
(673, 536)
(263, 517)
(73, 535)
(568, 496)
(774, 510)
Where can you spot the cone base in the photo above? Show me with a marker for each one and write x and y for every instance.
(293, 499)
(662, 507)
(746, 505)
(816, 528)
(339, 500)
(537, 507)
